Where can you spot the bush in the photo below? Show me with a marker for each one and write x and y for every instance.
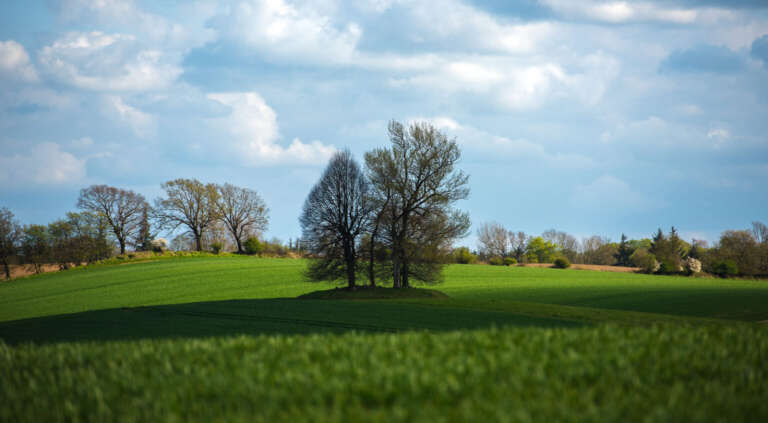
(668, 267)
(509, 261)
(644, 260)
(462, 255)
(253, 246)
(562, 263)
(725, 268)
(496, 261)
(216, 247)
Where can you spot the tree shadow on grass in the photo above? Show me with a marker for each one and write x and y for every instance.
(256, 317)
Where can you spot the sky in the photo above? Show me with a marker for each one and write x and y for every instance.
(590, 117)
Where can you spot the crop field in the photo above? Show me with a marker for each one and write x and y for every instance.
(226, 339)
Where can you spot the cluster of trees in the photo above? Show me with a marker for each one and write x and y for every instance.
(394, 219)
(112, 220)
(77, 238)
(738, 252)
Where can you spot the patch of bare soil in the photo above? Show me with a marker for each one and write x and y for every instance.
(597, 267)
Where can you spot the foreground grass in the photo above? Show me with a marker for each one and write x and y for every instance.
(604, 373)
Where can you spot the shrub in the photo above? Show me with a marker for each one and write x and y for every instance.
(645, 261)
(462, 255)
(510, 261)
(725, 268)
(216, 247)
(668, 267)
(496, 261)
(253, 246)
(562, 263)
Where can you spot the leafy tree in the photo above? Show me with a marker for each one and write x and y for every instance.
(188, 203)
(121, 208)
(243, 212)
(35, 246)
(624, 252)
(10, 235)
(416, 182)
(335, 213)
(541, 250)
(144, 236)
(739, 248)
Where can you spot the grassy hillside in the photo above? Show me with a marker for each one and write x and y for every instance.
(225, 338)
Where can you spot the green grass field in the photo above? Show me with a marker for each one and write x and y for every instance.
(225, 338)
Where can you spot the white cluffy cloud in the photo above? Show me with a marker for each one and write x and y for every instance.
(14, 62)
(253, 125)
(625, 12)
(107, 62)
(289, 32)
(44, 164)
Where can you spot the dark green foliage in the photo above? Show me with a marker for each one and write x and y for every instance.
(562, 263)
(496, 261)
(35, 246)
(725, 268)
(740, 248)
(510, 261)
(253, 246)
(216, 247)
(624, 253)
(669, 251)
(10, 235)
(144, 237)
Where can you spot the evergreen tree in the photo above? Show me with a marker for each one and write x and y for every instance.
(624, 253)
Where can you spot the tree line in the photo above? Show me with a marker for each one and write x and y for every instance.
(392, 220)
(111, 220)
(736, 253)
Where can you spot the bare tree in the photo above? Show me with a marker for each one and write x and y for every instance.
(243, 212)
(566, 244)
(760, 232)
(335, 213)
(188, 203)
(494, 240)
(419, 173)
(121, 208)
(519, 244)
(10, 235)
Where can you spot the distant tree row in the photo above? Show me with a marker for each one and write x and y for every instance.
(393, 220)
(738, 252)
(112, 218)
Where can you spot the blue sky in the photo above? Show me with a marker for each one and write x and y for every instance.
(590, 117)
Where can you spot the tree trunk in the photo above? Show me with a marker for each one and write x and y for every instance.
(198, 241)
(371, 271)
(239, 246)
(7, 269)
(122, 245)
(349, 257)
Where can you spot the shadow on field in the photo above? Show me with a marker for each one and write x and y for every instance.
(254, 317)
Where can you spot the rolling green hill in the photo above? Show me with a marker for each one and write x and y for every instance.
(225, 338)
